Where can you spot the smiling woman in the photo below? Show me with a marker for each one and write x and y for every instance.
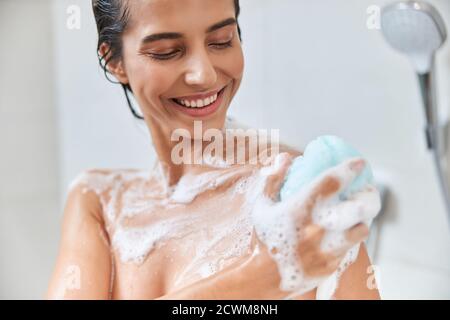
(112, 20)
(166, 50)
(184, 230)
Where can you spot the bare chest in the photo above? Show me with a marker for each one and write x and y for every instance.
(168, 247)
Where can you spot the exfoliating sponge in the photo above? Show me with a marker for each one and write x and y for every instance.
(321, 154)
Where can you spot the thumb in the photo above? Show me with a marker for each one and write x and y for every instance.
(277, 173)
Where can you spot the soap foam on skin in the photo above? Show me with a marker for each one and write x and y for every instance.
(140, 219)
(136, 227)
(276, 227)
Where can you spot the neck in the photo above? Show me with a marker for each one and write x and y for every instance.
(172, 172)
(193, 163)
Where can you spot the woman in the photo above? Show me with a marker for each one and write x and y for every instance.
(183, 230)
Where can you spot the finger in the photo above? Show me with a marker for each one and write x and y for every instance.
(277, 175)
(330, 183)
(322, 265)
(310, 236)
(357, 233)
(344, 173)
(334, 242)
(309, 239)
(360, 207)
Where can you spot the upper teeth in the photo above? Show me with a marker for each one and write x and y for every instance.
(198, 103)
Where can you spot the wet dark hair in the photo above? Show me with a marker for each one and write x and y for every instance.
(112, 17)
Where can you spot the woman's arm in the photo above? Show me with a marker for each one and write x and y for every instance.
(83, 266)
(356, 282)
(249, 278)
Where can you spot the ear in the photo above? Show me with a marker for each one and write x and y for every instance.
(116, 68)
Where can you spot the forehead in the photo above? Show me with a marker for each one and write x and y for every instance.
(177, 15)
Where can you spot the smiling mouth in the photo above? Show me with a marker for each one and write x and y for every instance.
(199, 103)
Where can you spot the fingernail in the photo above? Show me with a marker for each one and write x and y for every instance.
(358, 165)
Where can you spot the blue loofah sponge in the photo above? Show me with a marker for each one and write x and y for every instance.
(321, 154)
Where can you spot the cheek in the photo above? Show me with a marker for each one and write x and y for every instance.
(233, 64)
(157, 80)
(149, 80)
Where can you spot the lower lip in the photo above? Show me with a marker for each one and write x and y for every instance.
(201, 112)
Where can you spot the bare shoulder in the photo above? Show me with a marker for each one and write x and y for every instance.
(82, 203)
(91, 188)
(101, 180)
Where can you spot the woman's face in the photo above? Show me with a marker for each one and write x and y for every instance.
(186, 50)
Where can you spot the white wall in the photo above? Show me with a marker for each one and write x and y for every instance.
(313, 61)
(95, 125)
(29, 169)
(318, 63)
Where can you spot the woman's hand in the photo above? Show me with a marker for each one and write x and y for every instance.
(318, 227)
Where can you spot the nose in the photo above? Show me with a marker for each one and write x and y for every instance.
(201, 73)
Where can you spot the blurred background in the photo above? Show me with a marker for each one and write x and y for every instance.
(312, 68)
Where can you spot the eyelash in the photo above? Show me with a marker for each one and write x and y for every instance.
(170, 55)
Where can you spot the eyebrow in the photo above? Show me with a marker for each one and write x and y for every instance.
(176, 35)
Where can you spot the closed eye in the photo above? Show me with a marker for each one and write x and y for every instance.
(163, 56)
(170, 55)
(222, 45)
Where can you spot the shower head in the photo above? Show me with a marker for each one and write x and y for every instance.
(416, 29)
